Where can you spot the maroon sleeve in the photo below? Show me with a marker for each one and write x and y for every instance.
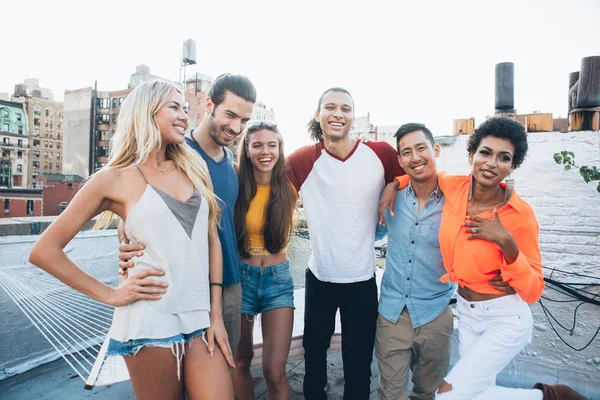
(300, 163)
(389, 159)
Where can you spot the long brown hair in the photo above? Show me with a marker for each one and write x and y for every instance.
(282, 198)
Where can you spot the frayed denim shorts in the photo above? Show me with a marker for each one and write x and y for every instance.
(266, 288)
(131, 347)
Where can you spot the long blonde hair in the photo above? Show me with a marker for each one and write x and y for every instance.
(137, 135)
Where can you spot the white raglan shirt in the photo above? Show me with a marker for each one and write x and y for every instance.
(340, 199)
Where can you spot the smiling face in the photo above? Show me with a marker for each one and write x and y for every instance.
(172, 119)
(228, 120)
(417, 156)
(335, 115)
(492, 161)
(263, 150)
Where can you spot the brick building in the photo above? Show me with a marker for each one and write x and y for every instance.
(21, 202)
(57, 189)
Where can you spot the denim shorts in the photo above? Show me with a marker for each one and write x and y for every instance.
(131, 347)
(266, 288)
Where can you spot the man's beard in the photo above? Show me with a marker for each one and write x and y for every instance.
(213, 131)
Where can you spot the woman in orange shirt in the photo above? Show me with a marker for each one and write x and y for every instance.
(263, 223)
(486, 227)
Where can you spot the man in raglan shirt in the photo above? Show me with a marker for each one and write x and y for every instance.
(339, 180)
(228, 109)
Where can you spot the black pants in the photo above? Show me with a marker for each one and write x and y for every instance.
(358, 310)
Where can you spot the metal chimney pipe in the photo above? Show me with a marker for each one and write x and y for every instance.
(588, 94)
(505, 88)
(573, 78)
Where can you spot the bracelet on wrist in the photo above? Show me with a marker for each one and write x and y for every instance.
(216, 284)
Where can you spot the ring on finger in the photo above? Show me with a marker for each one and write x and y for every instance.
(474, 230)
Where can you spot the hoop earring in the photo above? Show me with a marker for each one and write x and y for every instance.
(509, 181)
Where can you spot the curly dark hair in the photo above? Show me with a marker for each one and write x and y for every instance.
(502, 128)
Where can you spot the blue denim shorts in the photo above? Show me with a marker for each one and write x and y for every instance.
(266, 288)
(131, 347)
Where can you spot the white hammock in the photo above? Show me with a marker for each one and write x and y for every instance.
(76, 325)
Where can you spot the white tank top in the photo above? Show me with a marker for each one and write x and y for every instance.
(175, 236)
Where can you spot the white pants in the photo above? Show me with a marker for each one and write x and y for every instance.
(491, 333)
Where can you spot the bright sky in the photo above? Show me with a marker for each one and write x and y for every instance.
(417, 61)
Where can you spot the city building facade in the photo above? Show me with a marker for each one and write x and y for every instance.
(21, 202)
(14, 144)
(58, 190)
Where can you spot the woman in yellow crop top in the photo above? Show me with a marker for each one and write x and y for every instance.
(263, 223)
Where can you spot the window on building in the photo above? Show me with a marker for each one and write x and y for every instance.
(36, 121)
(6, 206)
(115, 101)
(51, 135)
(36, 132)
(50, 166)
(57, 167)
(36, 142)
(103, 103)
(36, 165)
(45, 164)
(20, 142)
(20, 129)
(4, 113)
(19, 154)
(46, 144)
(19, 168)
(19, 117)
(58, 156)
(69, 186)
(50, 155)
(50, 144)
(36, 153)
(102, 151)
(45, 154)
(37, 110)
(29, 207)
(35, 175)
(6, 140)
(58, 145)
(5, 153)
(6, 127)
(121, 99)
(49, 113)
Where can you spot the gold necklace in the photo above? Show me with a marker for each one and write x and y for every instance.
(166, 171)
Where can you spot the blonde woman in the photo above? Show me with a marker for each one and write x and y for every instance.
(163, 191)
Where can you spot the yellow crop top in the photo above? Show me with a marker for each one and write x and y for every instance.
(256, 218)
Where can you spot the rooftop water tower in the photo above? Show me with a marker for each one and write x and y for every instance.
(188, 57)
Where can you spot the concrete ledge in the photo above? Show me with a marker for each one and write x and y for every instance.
(33, 225)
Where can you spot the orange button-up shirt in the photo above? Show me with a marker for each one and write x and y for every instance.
(472, 263)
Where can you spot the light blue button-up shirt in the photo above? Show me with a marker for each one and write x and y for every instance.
(414, 262)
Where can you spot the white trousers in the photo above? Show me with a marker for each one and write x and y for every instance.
(491, 333)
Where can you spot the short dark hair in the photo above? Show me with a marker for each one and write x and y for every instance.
(410, 128)
(236, 84)
(314, 127)
(502, 128)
